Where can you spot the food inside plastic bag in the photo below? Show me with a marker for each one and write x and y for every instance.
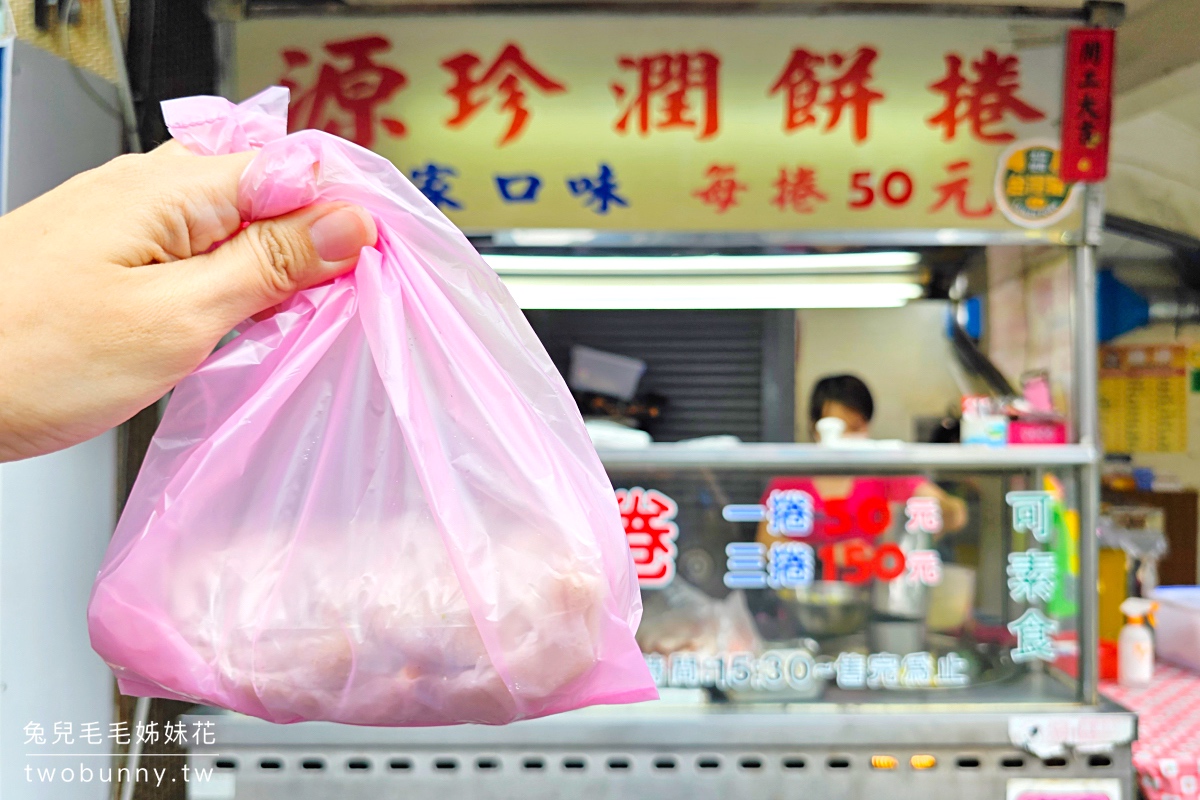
(409, 634)
(681, 618)
(378, 506)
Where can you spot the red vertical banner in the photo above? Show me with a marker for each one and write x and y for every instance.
(1087, 104)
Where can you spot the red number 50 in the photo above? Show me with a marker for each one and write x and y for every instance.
(896, 189)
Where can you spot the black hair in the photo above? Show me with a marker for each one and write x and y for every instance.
(845, 389)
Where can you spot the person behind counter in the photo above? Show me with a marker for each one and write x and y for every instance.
(843, 403)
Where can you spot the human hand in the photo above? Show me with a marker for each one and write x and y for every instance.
(109, 297)
(954, 509)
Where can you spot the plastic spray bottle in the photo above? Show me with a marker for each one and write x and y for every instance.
(1135, 646)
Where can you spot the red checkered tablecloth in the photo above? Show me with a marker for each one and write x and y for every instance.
(1167, 752)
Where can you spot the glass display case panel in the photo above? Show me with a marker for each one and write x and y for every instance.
(940, 587)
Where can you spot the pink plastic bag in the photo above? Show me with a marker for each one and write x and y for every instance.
(380, 506)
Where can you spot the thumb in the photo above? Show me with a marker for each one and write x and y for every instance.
(270, 260)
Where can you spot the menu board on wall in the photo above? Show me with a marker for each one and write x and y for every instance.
(1143, 398)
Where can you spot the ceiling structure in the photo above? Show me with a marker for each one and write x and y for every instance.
(1155, 173)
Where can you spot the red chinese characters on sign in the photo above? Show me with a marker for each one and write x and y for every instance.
(722, 188)
(797, 190)
(345, 89)
(1087, 104)
(984, 101)
(648, 516)
(845, 88)
(345, 98)
(673, 91)
(953, 193)
(504, 80)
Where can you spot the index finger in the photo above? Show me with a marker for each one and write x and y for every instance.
(203, 191)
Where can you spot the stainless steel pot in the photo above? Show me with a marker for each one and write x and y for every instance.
(829, 608)
(896, 636)
(901, 598)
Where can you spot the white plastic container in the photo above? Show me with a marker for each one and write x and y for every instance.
(604, 373)
(989, 429)
(1177, 625)
(952, 600)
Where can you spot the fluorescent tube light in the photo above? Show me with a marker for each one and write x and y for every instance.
(819, 280)
(560, 292)
(842, 263)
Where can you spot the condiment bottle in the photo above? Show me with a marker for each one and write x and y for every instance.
(1135, 646)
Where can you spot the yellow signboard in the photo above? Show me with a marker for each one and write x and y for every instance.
(691, 123)
(1143, 398)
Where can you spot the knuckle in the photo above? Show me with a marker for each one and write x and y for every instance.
(131, 166)
(280, 250)
(119, 177)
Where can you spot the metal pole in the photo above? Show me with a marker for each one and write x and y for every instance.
(128, 114)
(1087, 426)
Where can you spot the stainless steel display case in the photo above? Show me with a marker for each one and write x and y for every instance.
(978, 740)
(986, 739)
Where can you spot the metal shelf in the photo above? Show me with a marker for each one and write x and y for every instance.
(794, 457)
(673, 752)
(976, 715)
